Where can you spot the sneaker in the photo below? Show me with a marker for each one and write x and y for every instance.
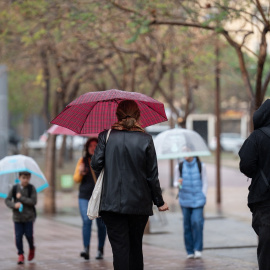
(198, 255)
(31, 254)
(99, 255)
(190, 256)
(21, 259)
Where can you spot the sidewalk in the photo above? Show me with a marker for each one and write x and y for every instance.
(58, 245)
(229, 241)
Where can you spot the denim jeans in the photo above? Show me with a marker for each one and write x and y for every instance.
(87, 226)
(24, 228)
(193, 221)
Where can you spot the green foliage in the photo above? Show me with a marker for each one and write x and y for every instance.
(25, 96)
(138, 27)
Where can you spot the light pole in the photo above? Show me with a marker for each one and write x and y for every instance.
(217, 111)
(3, 112)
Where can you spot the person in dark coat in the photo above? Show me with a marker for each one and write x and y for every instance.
(255, 164)
(130, 186)
(87, 178)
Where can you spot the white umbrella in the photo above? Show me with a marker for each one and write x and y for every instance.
(10, 167)
(178, 143)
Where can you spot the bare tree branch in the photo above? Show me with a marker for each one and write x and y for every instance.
(261, 12)
(260, 66)
(181, 23)
(124, 8)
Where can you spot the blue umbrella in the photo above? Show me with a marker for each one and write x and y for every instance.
(10, 167)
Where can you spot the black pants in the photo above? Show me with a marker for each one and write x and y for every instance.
(125, 234)
(24, 228)
(261, 225)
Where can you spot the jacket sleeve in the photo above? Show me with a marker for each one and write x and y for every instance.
(248, 158)
(29, 201)
(98, 159)
(77, 176)
(152, 174)
(9, 201)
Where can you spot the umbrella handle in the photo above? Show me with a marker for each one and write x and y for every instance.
(21, 208)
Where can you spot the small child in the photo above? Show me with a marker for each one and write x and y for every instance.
(22, 198)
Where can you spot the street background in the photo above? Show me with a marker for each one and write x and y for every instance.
(229, 241)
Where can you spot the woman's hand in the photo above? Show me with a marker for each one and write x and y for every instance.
(82, 169)
(164, 207)
(180, 181)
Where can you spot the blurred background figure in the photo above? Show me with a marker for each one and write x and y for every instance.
(87, 178)
(190, 177)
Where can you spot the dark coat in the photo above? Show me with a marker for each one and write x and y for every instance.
(131, 181)
(255, 155)
(28, 213)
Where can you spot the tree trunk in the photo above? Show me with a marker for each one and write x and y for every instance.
(49, 193)
(62, 152)
(25, 149)
(46, 75)
(217, 103)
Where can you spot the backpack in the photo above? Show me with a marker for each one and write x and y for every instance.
(198, 163)
(30, 188)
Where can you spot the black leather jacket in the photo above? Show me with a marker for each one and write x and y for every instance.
(131, 183)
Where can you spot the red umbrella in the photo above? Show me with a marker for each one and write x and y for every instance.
(58, 130)
(95, 111)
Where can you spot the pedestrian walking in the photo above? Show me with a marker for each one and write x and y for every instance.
(87, 178)
(190, 177)
(254, 163)
(130, 186)
(22, 199)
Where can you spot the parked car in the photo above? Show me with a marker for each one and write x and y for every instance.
(228, 142)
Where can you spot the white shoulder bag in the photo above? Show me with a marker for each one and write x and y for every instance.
(94, 202)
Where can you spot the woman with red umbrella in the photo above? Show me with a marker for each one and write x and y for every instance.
(130, 184)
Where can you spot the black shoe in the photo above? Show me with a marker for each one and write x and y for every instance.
(85, 253)
(99, 255)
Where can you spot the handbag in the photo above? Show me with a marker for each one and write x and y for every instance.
(94, 202)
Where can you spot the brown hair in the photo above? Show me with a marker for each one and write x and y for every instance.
(128, 113)
(28, 174)
(86, 146)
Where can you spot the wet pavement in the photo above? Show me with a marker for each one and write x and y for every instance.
(229, 241)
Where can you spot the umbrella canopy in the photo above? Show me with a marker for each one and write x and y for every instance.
(58, 130)
(179, 143)
(10, 167)
(95, 111)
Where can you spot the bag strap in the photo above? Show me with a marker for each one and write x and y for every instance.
(108, 134)
(199, 165)
(265, 179)
(14, 189)
(92, 171)
(180, 169)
